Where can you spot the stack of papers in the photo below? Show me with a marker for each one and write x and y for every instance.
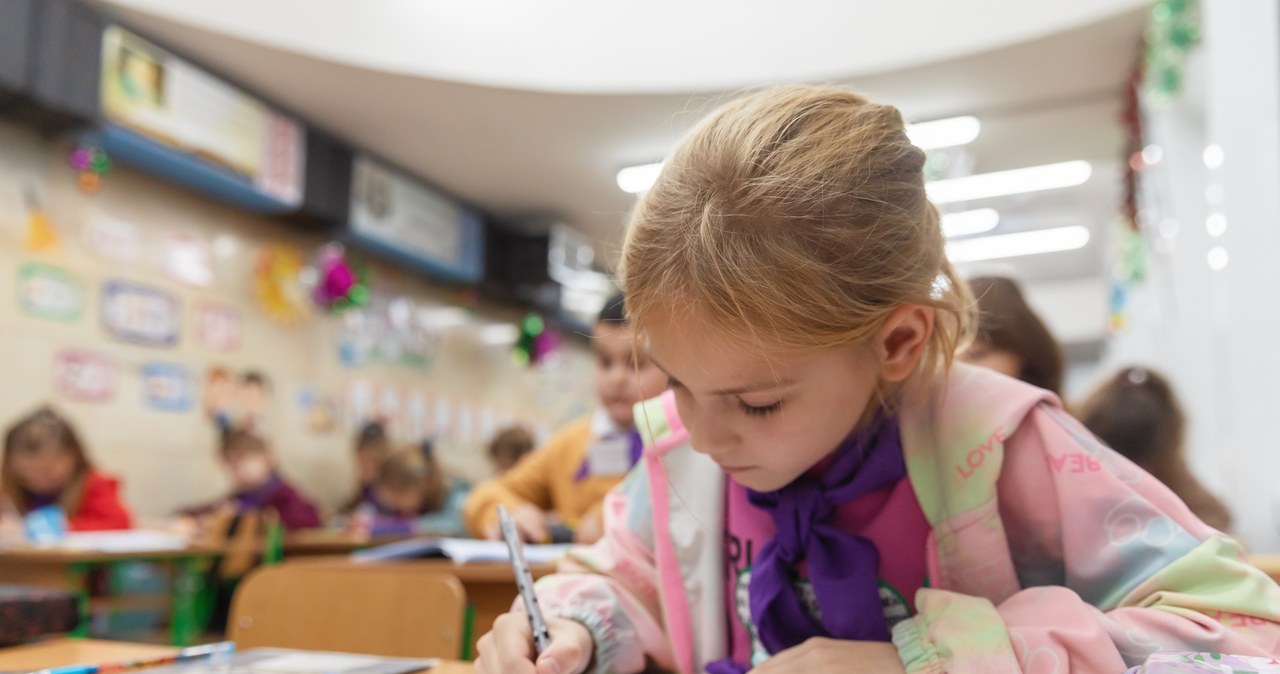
(460, 550)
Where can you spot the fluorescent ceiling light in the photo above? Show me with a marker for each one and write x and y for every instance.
(1004, 183)
(925, 135)
(944, 132)
(638, 179)
(967, 223)
(1017, 245)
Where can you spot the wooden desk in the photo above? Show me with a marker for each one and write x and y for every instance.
(490, 586)
(329, 542)
(63, 652)
(69, 570)
(1270, 565)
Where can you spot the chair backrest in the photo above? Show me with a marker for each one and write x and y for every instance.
(361, 608)
(241, 546)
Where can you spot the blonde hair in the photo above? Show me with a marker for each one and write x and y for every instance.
(796, 218)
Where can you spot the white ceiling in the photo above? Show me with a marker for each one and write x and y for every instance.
(543, 146)
(586, 46)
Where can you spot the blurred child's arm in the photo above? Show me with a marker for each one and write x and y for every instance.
(297, 513)
(527, 484)
(448, 520)
(1113, 567)
(611, 587)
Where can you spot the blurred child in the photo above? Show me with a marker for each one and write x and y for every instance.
(256, 484)
(566, 479)
(46, 465)
(372, 448)
(412, 494)
(1011, 339)
(1137, 413)
(508, 447)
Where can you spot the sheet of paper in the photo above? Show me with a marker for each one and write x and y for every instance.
(309, 663)
(463, 550)
(138, 540)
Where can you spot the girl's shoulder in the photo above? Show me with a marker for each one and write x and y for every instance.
(96, 481)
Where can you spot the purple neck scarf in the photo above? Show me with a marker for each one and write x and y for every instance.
(844, 569)
(37, 501)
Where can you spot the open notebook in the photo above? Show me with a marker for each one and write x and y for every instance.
(288, 661)
(460, 550)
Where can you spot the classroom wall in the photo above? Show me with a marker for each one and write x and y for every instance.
(167, 458)
(1213, 332)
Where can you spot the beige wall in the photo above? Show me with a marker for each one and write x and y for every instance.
(167, 459)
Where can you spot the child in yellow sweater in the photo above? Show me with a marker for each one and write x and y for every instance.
(564, 481)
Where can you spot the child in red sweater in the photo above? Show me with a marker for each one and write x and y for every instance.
(45, 464)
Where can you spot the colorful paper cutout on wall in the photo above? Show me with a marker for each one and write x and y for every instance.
(417, 416)
(277, 277)
(319, 410)
(112, 238)
(218, 326)
(167, 387)
(188, 259)
(41, 236)
(390, 407)
(141, 314)
(49, 292)
(361, 402)
(84, 376)
(444, 418)
(391, 329)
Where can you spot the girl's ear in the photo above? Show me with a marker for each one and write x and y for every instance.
(901, 340)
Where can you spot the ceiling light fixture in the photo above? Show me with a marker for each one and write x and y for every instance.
(1018, 245)
(947, 132)
(1015, 181)
(968, 223)
(638, 179)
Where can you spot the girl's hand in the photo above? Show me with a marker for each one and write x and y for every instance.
(531, 524)
(833, 656)
(590, 529)
(508, 649)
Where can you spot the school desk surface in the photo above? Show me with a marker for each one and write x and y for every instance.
(62, 652)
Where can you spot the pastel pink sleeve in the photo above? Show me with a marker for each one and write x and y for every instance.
(1112, 565)
(611, 587)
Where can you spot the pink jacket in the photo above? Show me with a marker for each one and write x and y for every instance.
(1048, 553)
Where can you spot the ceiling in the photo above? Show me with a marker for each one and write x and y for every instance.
(544, 148)
(585, 46)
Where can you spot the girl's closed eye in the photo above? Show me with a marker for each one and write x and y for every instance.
(759, 410)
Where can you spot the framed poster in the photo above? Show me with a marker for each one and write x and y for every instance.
(84, 376)
(112, 238)
(141, 314)
(404, 217)
(50, 293)
(218, 326)
(173, 102)
(167, 387)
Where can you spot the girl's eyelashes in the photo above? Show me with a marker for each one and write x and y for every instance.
(760, 410)
(672, 383)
